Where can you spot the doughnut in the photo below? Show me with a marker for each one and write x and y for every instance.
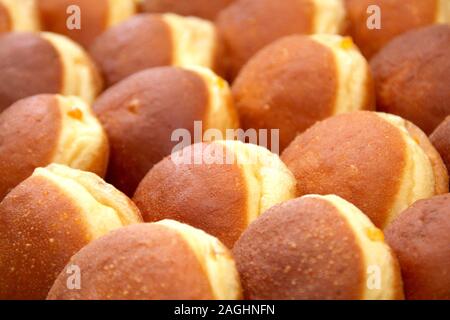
(379, 162)
(420, 237)
(424, 99)
(48, 218)
(298, 80)
(441, 141)
(396, 18)
(141, 112)
(95, 17)
(44, 129)
(35, 63)
(219, 187)
(316, 248)
(247, 26)
(166, 260)
(18, 15)
(153, 40)
(206, 9)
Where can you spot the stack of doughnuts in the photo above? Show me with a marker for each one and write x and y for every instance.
(224, 149)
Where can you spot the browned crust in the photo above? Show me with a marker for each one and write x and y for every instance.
(205, 9)
(441, 141)
(397, 17)
(23, 74)
(212, 197)
(40, 229)
(289, 85)
(94, 15)
(301, 249)
(247, 26)
(412, 75)
(420, 237)
(358, 156)
(5, 19)
(144, 261)
(141, 42)
(29, 134)
(439, 169)
(140, 115)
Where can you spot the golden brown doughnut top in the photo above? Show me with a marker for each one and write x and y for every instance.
(397, 17)
(212, 197)
(300, 249)
(140, 114)
(29, 134)
(144, 261)
(143, 41)
(288, 85)
(23, 74)
(27, 245)
(355, 156)
(247, 26)
(423, 100)
(420, 237)
(94, 16)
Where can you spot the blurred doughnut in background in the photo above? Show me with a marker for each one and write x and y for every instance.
(19, 15)
(35, 63)
(248, 25)
(412, 76)
(206, 9)
(397, 17)
(95, 17)
(153, 40)
(299, 80)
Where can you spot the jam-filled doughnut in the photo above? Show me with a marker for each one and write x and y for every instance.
(166, 260)
(379, 162)
(299, 80)
(412, 76)
(219, 187)
(35, 63)
(249, 25)
(316, 247)
(141, 113)
(395, 16)
(49, 217)
(44, 129)
(420, 237)
(94, 17)
(152, 40)
(19, 15)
